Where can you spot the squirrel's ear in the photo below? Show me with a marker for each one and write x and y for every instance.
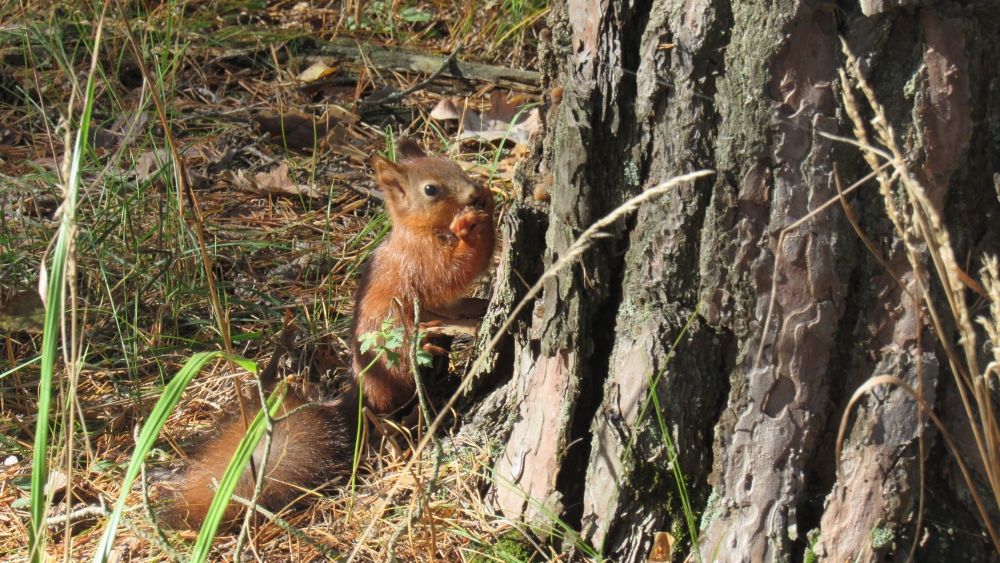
(408, 150)
(388, 175)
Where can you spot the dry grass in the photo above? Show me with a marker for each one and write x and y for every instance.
(144, 297)
(920, 225)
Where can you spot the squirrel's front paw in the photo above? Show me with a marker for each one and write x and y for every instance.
(466, 223)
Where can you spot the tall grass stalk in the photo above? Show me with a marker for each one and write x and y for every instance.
(62, 273)
(916, 219)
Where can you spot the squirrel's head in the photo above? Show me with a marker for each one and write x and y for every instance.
(426, 191)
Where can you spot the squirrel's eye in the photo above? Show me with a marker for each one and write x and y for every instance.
(431, 190)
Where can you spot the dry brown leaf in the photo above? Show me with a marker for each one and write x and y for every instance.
(277, 182)
(316, 71)
(505, 119)
(663, 548)
(149, 164)
(300, 131)
(56, 482)
(130, 125)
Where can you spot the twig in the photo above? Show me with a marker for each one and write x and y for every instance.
(161, 539)
(85, 513)
(397, 96)
(267, 378)
(428, 491)
(284, 525)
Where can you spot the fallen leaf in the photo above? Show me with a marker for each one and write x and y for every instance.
(24, 311)
(277, 182)
(508, 119)
(56, 482)
(502, 108)
(341, 115)
(316, 71)
(295, 130)
(130, 125)
(149, 164)
(519, 151)
(663, 548)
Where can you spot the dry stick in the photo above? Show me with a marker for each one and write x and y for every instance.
(184, 186)
(920, 374)
(425, 499)
(572, 253)
(778, 254)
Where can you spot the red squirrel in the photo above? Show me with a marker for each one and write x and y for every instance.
(442, 239)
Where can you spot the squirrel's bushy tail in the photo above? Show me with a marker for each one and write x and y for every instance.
(308, 449)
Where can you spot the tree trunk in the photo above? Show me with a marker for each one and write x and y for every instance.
(778, 333)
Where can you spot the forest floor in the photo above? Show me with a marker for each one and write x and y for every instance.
(274, 108)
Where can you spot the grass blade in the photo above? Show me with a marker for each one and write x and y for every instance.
(65, 243)
(171, 396)
(227, 485)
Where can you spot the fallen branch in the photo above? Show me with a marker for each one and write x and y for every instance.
(413, 61)
(397, 96)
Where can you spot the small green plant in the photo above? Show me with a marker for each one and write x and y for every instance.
(387, 341)
(378, 17)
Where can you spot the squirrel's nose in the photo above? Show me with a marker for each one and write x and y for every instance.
(476, 193)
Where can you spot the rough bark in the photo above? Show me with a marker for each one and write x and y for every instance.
(654, 88)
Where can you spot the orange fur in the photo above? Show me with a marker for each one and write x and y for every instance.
(439, 244)
(308, 449)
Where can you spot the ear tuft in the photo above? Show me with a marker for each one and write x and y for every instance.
(406, 149)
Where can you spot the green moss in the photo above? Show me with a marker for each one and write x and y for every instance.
(882, 537)
(512, 547)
